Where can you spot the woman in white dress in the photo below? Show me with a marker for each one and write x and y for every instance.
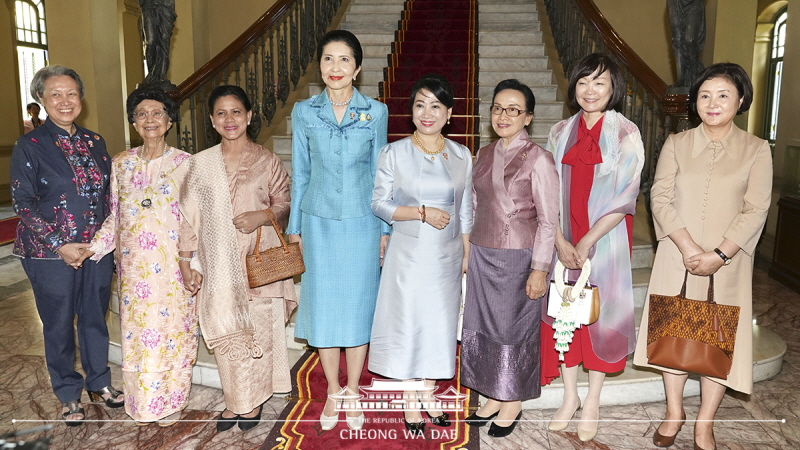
(423, 188)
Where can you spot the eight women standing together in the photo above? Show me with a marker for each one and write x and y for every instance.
(182, 225)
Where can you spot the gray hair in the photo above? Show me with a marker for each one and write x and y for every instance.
(37, 84)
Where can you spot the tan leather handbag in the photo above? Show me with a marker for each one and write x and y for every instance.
(692, 335)
(276, 263)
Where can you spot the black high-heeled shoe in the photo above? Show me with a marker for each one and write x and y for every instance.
(440, 421)
(474, 420)
(415, 428)
(111, 401)
(246, 423)
(226, 423)
(73, 408)
(498, 431)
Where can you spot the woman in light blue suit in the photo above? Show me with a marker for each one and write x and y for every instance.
(423, 188)
(336, 137)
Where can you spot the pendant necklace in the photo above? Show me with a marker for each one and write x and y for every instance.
(147, 202)
(426, 151)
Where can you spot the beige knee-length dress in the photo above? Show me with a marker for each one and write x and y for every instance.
(716, 190)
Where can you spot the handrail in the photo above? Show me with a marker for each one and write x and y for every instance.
(266, 60)
(620, 48)
(232, 51)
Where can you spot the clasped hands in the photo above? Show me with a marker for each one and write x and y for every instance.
(75, 253)
(700, 262)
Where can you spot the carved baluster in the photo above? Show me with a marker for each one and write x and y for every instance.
(294, 44)
(283, 64)
(186, 140)
(633, 111)
(270, 104)
(193, 123)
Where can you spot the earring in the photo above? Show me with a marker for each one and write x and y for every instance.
(248, 123)
(448, 121)
(213, 126)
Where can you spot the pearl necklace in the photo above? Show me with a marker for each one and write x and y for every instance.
(425, 150)
(344, 103)
(147, 202)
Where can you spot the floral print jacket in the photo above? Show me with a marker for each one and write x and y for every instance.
(59, 189)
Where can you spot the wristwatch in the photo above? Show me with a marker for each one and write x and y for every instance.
(723, 256)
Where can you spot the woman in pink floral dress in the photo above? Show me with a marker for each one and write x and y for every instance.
(158, 315)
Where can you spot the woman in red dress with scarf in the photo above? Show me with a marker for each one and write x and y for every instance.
(599, 157)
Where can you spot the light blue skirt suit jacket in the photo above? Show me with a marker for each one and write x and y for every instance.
(333, 172)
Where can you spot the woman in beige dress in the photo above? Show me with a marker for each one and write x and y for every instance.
(713, 233)
(225, 192)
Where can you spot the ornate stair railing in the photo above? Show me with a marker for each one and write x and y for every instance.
(266, 61)
(579, 28)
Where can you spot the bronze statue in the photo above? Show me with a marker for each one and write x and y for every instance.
(158, 20)
(687, 19)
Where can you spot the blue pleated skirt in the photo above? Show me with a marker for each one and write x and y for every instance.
(340, 285)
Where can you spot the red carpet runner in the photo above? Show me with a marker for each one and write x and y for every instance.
(435, 36)
(298, 425)
(8, 230)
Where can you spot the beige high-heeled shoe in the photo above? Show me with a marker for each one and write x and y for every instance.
(559, 425)
(328, 422)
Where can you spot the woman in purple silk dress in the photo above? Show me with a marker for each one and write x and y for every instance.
(515, 199)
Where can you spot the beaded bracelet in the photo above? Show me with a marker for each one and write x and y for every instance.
(421, 211)
(185, 259)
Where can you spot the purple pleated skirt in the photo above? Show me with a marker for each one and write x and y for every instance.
(500, 340)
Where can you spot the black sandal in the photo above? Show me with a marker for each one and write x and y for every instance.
(73, 408)
(111, 401)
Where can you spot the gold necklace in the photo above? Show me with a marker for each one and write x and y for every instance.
(425, 150)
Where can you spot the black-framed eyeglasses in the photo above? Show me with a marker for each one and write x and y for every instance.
(510, 111)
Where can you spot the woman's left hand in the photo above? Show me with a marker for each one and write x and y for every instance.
(250, 221)
(536, 285)
(583, 250)
(708, 263)
(384, 244)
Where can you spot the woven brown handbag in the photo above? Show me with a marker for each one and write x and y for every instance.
(692, 335)
(276, 263)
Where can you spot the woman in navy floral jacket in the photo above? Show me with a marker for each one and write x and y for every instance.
(59, 188)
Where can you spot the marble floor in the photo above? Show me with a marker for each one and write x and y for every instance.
(767, 419)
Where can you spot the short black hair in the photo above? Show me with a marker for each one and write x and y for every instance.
(31, 105)
(516, 85)
(151, 93)
(597, 62)
(436, 85)
(225, 90)
(347, 38)
(731, 72)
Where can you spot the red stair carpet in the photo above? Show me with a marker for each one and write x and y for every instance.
(435, 36)
(8, 230)
(298, 426)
